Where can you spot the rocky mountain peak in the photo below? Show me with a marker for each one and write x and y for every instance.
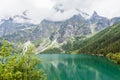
(75, 26)
(83, 14)
(95, 14)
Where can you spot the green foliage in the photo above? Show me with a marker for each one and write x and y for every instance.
(114, 57)
(68, 46)
(73, 45)
(5, 49)
(104, 42)
(52, 51)
(19, 67)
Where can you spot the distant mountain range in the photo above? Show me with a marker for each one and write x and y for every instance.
(19, 29)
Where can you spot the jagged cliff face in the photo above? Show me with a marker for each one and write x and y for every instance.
(76, 26)
(99, 22)
(15, 31)
(61, 31)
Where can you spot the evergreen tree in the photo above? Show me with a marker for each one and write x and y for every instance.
(19, 67)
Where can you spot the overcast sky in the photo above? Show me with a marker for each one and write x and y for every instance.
(40, 9)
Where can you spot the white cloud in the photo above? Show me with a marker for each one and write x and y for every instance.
(58, 16)
(37, 9)
(40, 9)
(108, 8)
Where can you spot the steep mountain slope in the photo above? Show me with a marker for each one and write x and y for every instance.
(14, 24)
(75, 26)
(78, 27)
(15, 31)
(106, 41)
(99, 21)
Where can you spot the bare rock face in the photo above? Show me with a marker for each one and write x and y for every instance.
(61, 31)
(100, 22)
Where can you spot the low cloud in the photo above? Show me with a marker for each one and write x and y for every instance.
(41, 9)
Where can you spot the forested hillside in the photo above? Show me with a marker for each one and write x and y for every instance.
(106, 41)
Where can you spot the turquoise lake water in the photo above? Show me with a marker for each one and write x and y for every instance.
(78, 67)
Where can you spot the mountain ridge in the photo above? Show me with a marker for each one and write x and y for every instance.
(61, 31)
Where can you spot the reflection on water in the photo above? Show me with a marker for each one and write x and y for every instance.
(78, 67)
